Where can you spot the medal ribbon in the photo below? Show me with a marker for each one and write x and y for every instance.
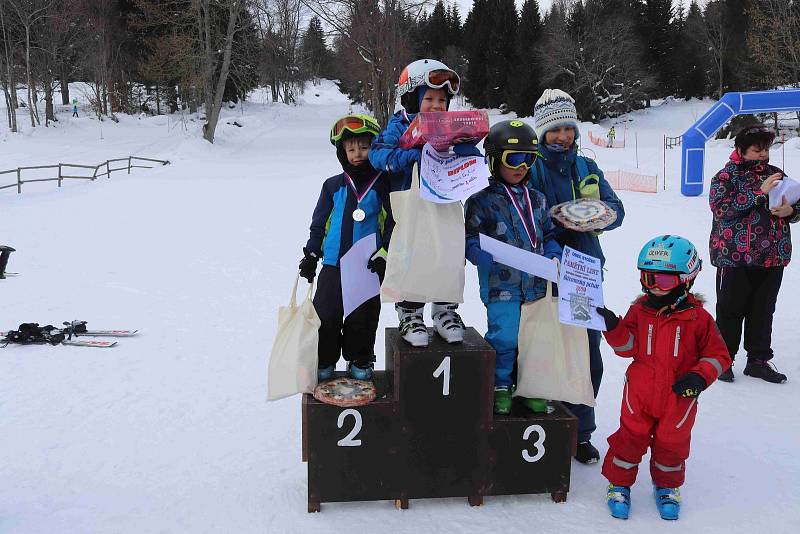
(359, 198)
(530, 230)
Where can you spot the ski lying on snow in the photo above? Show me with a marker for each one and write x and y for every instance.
(107, 333)
(101, 344)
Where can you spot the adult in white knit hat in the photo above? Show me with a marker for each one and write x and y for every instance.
(554, 109)
(563, 175)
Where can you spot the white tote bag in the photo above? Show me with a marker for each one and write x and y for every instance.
(426, 256)
(553, 361)
(293, 360)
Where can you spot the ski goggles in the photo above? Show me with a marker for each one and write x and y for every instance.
(436, 79)
(662, 281)
(352, 124)
(757, 129)
(517, 160)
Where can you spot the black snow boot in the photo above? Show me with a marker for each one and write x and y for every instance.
(586, 453)
(765, 371)
(5, 252)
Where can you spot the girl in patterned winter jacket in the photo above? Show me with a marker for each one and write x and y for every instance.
(750, 245)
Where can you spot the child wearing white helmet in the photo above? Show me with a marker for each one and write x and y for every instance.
(677, 353)
(425, 85)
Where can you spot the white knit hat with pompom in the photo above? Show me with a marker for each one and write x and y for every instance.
(554, 108)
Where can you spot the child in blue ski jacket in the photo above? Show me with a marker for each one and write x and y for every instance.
(511, 211)
(426, 85)
(352, 205)
(563, 175)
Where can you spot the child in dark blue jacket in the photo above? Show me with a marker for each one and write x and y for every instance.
(511, 211)
(563, 175)
(425, 85)
(351, 206)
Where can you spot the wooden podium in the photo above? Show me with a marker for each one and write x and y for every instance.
(431, 432)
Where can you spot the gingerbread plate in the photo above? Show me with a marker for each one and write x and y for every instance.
(583, 214)
(345, 392)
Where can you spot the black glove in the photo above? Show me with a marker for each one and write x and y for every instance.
(377, 263)
(308, 265)
(689, 385)
(609, 317)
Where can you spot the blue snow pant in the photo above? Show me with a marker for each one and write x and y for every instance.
(503, 322)
(585, 414)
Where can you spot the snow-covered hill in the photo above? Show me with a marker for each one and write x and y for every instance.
(169, 431)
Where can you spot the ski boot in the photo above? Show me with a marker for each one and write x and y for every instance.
(619, 501)
(412, 326)
(360, 370)
(535, 405)
(325, 373)
(668, 501)
(502, 400)
(447, 322)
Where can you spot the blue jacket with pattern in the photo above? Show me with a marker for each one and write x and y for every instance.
(333, 229)
(557, 175)
(491, 212)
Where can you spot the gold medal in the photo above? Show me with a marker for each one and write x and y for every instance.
(359, 215)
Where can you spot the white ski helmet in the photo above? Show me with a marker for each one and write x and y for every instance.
(430, 72)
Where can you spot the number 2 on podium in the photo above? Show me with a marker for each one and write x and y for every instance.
(348, 440)
(444, 369)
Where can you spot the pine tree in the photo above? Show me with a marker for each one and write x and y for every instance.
(437, 31)
(525, 87)
(693, 58)
(654, 29)
(475, 50)
(315, 53)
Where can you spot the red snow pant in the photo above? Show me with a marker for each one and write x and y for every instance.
(651, 416)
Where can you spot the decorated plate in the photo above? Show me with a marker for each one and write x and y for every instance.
(345, 392)
(583, 214)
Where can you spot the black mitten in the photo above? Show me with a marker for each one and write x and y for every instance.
(689, 385)
(609, 317)
(308, 265)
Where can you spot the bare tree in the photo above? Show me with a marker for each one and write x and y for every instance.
(214, 44)
(600, 67)
(279, 26)
(30, 14)
(774, 39)
(7, 72)
(378, 33)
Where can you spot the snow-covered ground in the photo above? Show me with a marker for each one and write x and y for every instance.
(169, 431)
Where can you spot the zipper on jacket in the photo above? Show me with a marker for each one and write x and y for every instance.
(677, 341)
(649, 339)
(627, 402)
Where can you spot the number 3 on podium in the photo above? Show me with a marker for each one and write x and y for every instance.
(538, 444)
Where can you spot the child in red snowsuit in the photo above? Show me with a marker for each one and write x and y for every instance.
(677, 352)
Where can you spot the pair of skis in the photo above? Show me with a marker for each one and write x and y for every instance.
(75, 329)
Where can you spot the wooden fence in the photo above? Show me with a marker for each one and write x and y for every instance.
(64, 170)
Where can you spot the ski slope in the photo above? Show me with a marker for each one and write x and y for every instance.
(169, 431)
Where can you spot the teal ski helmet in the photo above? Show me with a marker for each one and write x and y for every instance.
(670, 254)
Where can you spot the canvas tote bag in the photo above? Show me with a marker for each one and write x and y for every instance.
(553, 361)
(426, 256)
(293, 360)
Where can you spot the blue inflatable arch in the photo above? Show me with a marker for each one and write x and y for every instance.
(731, 104)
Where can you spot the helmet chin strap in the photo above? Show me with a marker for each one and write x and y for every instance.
(669, 301)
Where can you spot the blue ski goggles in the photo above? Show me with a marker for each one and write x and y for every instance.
(516, 160)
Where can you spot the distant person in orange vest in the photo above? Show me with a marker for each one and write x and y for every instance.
(610, 136)
(74, 107)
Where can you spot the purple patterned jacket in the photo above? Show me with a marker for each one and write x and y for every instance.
(744, 233)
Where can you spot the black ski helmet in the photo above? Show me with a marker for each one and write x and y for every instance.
(513, 135)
